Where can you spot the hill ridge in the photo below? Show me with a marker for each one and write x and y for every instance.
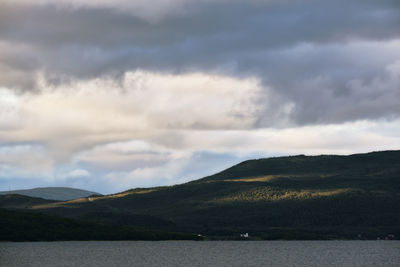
(52, 193)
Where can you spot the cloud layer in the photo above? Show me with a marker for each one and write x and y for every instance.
(162, 92)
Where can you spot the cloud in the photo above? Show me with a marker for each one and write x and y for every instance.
(77, 173)
(297, 49)
(153, 13)
(150, 93)
(73, 117)
(323, 81)
(24, 159)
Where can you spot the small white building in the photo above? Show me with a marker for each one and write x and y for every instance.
(245, 235)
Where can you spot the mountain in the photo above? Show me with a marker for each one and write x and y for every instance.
(53, 193)
(296, 197)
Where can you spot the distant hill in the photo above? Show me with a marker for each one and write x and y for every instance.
(53, 193)
(296, 197)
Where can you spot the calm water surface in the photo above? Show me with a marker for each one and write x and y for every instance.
(204, 253)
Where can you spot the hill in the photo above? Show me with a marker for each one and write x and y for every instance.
(53, 193)
(297, 197)
(15, 201)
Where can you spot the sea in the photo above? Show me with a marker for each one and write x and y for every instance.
(201, 253)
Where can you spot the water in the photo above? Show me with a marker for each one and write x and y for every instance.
(192, 253)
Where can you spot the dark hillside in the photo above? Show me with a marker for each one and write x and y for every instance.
(16, 201)
(30, 226)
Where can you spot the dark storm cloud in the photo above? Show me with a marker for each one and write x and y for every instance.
(305, 51)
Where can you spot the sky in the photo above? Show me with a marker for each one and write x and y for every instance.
(111, 95)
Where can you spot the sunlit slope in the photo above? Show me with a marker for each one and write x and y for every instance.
(319, 196)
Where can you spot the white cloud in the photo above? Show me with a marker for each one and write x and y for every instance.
(164, 174)
(76, 174)
(9, 107)
(25, 159)
(72, 117)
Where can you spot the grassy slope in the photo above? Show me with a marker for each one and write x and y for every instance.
(288, 197)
